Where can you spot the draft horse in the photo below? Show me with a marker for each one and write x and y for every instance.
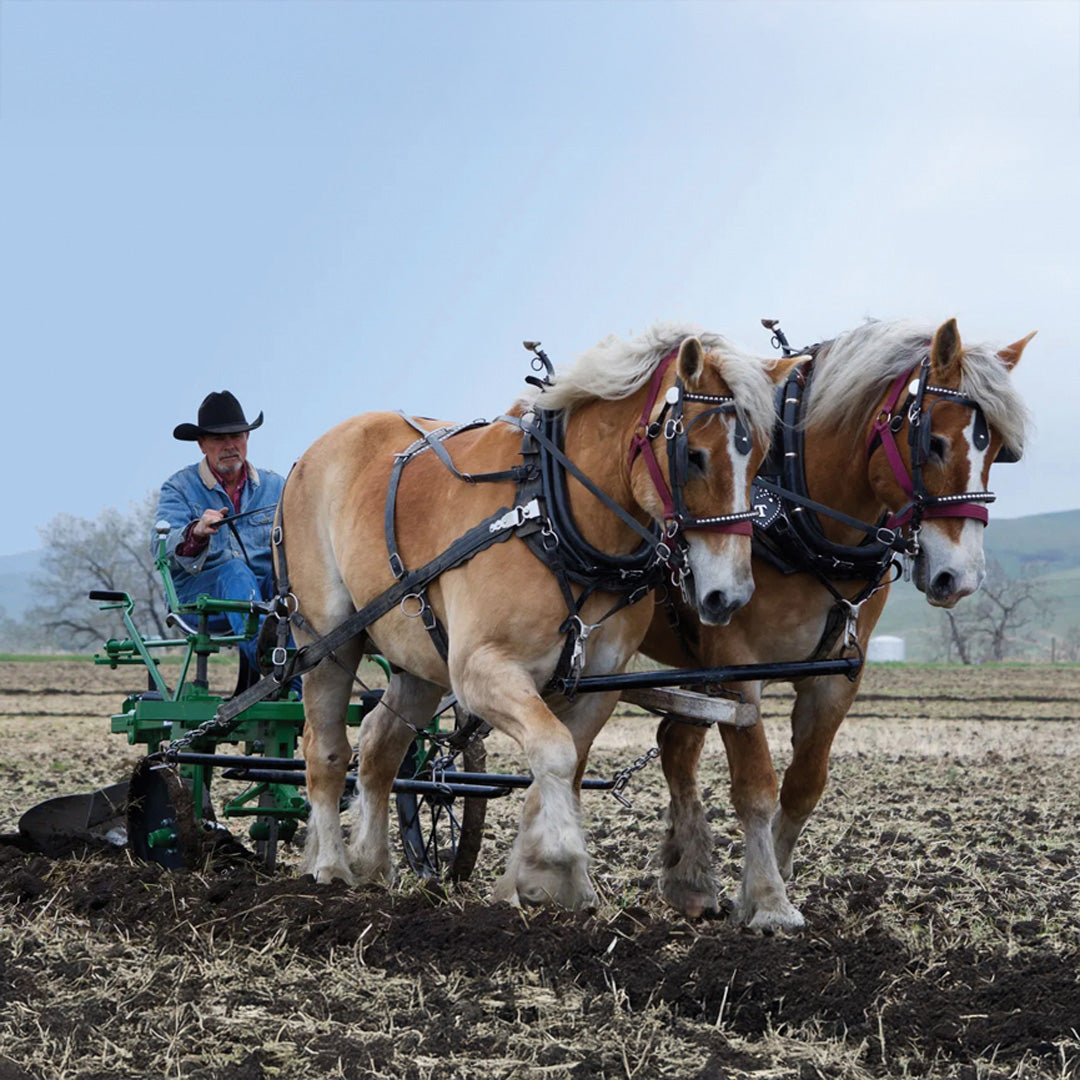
(633, 465)
(885, 445)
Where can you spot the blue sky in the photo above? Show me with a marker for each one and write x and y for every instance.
(330, 208)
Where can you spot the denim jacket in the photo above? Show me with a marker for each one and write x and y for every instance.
(186, 494)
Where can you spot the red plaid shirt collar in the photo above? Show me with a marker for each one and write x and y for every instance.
(235, 495)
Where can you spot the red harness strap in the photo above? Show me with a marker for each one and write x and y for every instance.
(881, 431)
(642, 443)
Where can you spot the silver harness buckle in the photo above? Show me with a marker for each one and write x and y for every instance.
(581, 636)
(512, 519)
(851, 623)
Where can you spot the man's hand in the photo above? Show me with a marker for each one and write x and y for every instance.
(209, 523)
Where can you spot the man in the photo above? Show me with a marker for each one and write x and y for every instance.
(228, 561)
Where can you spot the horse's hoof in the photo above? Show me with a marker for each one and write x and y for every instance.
(782, 916)
(574, 892)
(694, 905)
(505, 891)
(689, 899)
(586, 899)
(771, 921)
(785, 864)
(583, 900)
(372, 875)
(329, 874)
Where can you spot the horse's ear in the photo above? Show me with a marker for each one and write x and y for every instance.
(780, 368)
(945, 352)
(1010, 355)
(691, 362)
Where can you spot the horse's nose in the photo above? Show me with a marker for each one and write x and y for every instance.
(946, 587)
(717, 607)
(943, 585)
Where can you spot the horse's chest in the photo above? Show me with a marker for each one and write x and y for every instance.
(788, 628)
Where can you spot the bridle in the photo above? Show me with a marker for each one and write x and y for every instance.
(676, 431)
(794, 541)
(921, 505)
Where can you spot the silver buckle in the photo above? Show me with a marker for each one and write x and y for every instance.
(577, 657)
(512, 519)
(851, 624)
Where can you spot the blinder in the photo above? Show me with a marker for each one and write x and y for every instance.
(923, 505)
(981, 437)
(922, 424)
(675, 430)
(678, 435)
(980, 431)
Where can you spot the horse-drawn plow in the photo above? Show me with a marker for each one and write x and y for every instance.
(165, 812)
(822, 469)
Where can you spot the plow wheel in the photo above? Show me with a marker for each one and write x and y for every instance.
(161, 817)
(442, 833)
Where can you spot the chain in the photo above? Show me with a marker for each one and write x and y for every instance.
(213, 726)
(622, 777)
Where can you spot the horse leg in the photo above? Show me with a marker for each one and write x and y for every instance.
(385, 736)
(548, 862)
(584, 720)
(327, 689)
(820, 707)
(761, 902)
(687, 880)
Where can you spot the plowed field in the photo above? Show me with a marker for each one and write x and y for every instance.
(940, 880)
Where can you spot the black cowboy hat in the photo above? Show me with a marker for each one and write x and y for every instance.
(219, 414)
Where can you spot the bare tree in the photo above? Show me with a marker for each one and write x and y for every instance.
(1071, 644)
(109, 552)
(13, 634)
(989, 624)
(956, 637)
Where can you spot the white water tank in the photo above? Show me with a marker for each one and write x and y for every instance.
(885, 647)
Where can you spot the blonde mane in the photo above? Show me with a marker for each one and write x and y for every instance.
(852, 372)
(615, 369)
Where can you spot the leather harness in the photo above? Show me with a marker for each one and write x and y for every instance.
(542, 517)
(793, 541)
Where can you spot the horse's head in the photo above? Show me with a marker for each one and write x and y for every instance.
(931, 449)
(707, 430)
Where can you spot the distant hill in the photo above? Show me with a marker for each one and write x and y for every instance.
(1041, 543)
(1044, 546)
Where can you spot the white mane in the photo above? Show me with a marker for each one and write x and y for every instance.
(852, 372)
(615, 369)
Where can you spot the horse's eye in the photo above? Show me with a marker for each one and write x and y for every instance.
(698, 460)
(938, 447)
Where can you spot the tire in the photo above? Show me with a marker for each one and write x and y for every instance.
(441, 834)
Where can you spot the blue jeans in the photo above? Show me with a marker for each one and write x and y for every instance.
(232, 580)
